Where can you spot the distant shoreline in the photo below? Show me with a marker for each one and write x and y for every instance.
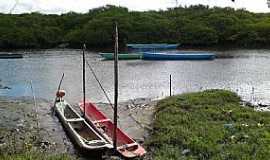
(214, 48)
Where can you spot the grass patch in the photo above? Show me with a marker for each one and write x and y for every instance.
(35, 156)
(209, 125)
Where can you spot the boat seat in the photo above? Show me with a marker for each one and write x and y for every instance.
(103, 120)
(75, 119)
(126, 146)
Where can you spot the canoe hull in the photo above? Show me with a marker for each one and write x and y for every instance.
(79, 131)
(122, 56)
(126, 146)
(179, 56)
(10, 56)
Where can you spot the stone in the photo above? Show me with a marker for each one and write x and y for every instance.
(185, 151)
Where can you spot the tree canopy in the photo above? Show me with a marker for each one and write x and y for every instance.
(194, 26)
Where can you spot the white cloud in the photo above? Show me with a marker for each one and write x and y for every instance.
(60, 6)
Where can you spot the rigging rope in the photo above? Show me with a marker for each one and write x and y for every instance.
(99, 83)
(102, 88)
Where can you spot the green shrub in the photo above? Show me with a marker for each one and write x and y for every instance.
(209, 125)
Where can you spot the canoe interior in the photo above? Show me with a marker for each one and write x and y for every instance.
(70, 113)
(84, 131)
(102, 122)
(78, 127)
(126, 146)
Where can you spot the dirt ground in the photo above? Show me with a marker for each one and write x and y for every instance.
(26, 126)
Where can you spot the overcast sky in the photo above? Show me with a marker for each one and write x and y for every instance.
(62, 6)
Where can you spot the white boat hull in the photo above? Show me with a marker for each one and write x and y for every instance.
(79, 130)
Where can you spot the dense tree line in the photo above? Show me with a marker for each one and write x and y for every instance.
(190, 26)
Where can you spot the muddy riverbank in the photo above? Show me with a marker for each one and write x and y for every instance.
(23, 126)
(26, 127)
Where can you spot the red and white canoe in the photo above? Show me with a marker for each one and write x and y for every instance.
(126, 146)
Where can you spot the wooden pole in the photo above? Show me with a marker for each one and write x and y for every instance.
(176, 3)
(84, 47)
(170, 85)
(35, 104)
(115, 88)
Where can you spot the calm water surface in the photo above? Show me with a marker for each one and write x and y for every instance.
(247, 73)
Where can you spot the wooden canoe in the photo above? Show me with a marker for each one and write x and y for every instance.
(82, 134)
(126, 146)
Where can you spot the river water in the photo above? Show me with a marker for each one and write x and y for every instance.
(246, 72)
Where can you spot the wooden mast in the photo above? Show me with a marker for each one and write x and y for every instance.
(115, 88)
(83, 70)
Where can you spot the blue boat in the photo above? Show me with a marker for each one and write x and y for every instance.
(10, 55)
(180, 55)
(152, 46)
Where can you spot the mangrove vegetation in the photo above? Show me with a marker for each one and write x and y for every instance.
(194, 26)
